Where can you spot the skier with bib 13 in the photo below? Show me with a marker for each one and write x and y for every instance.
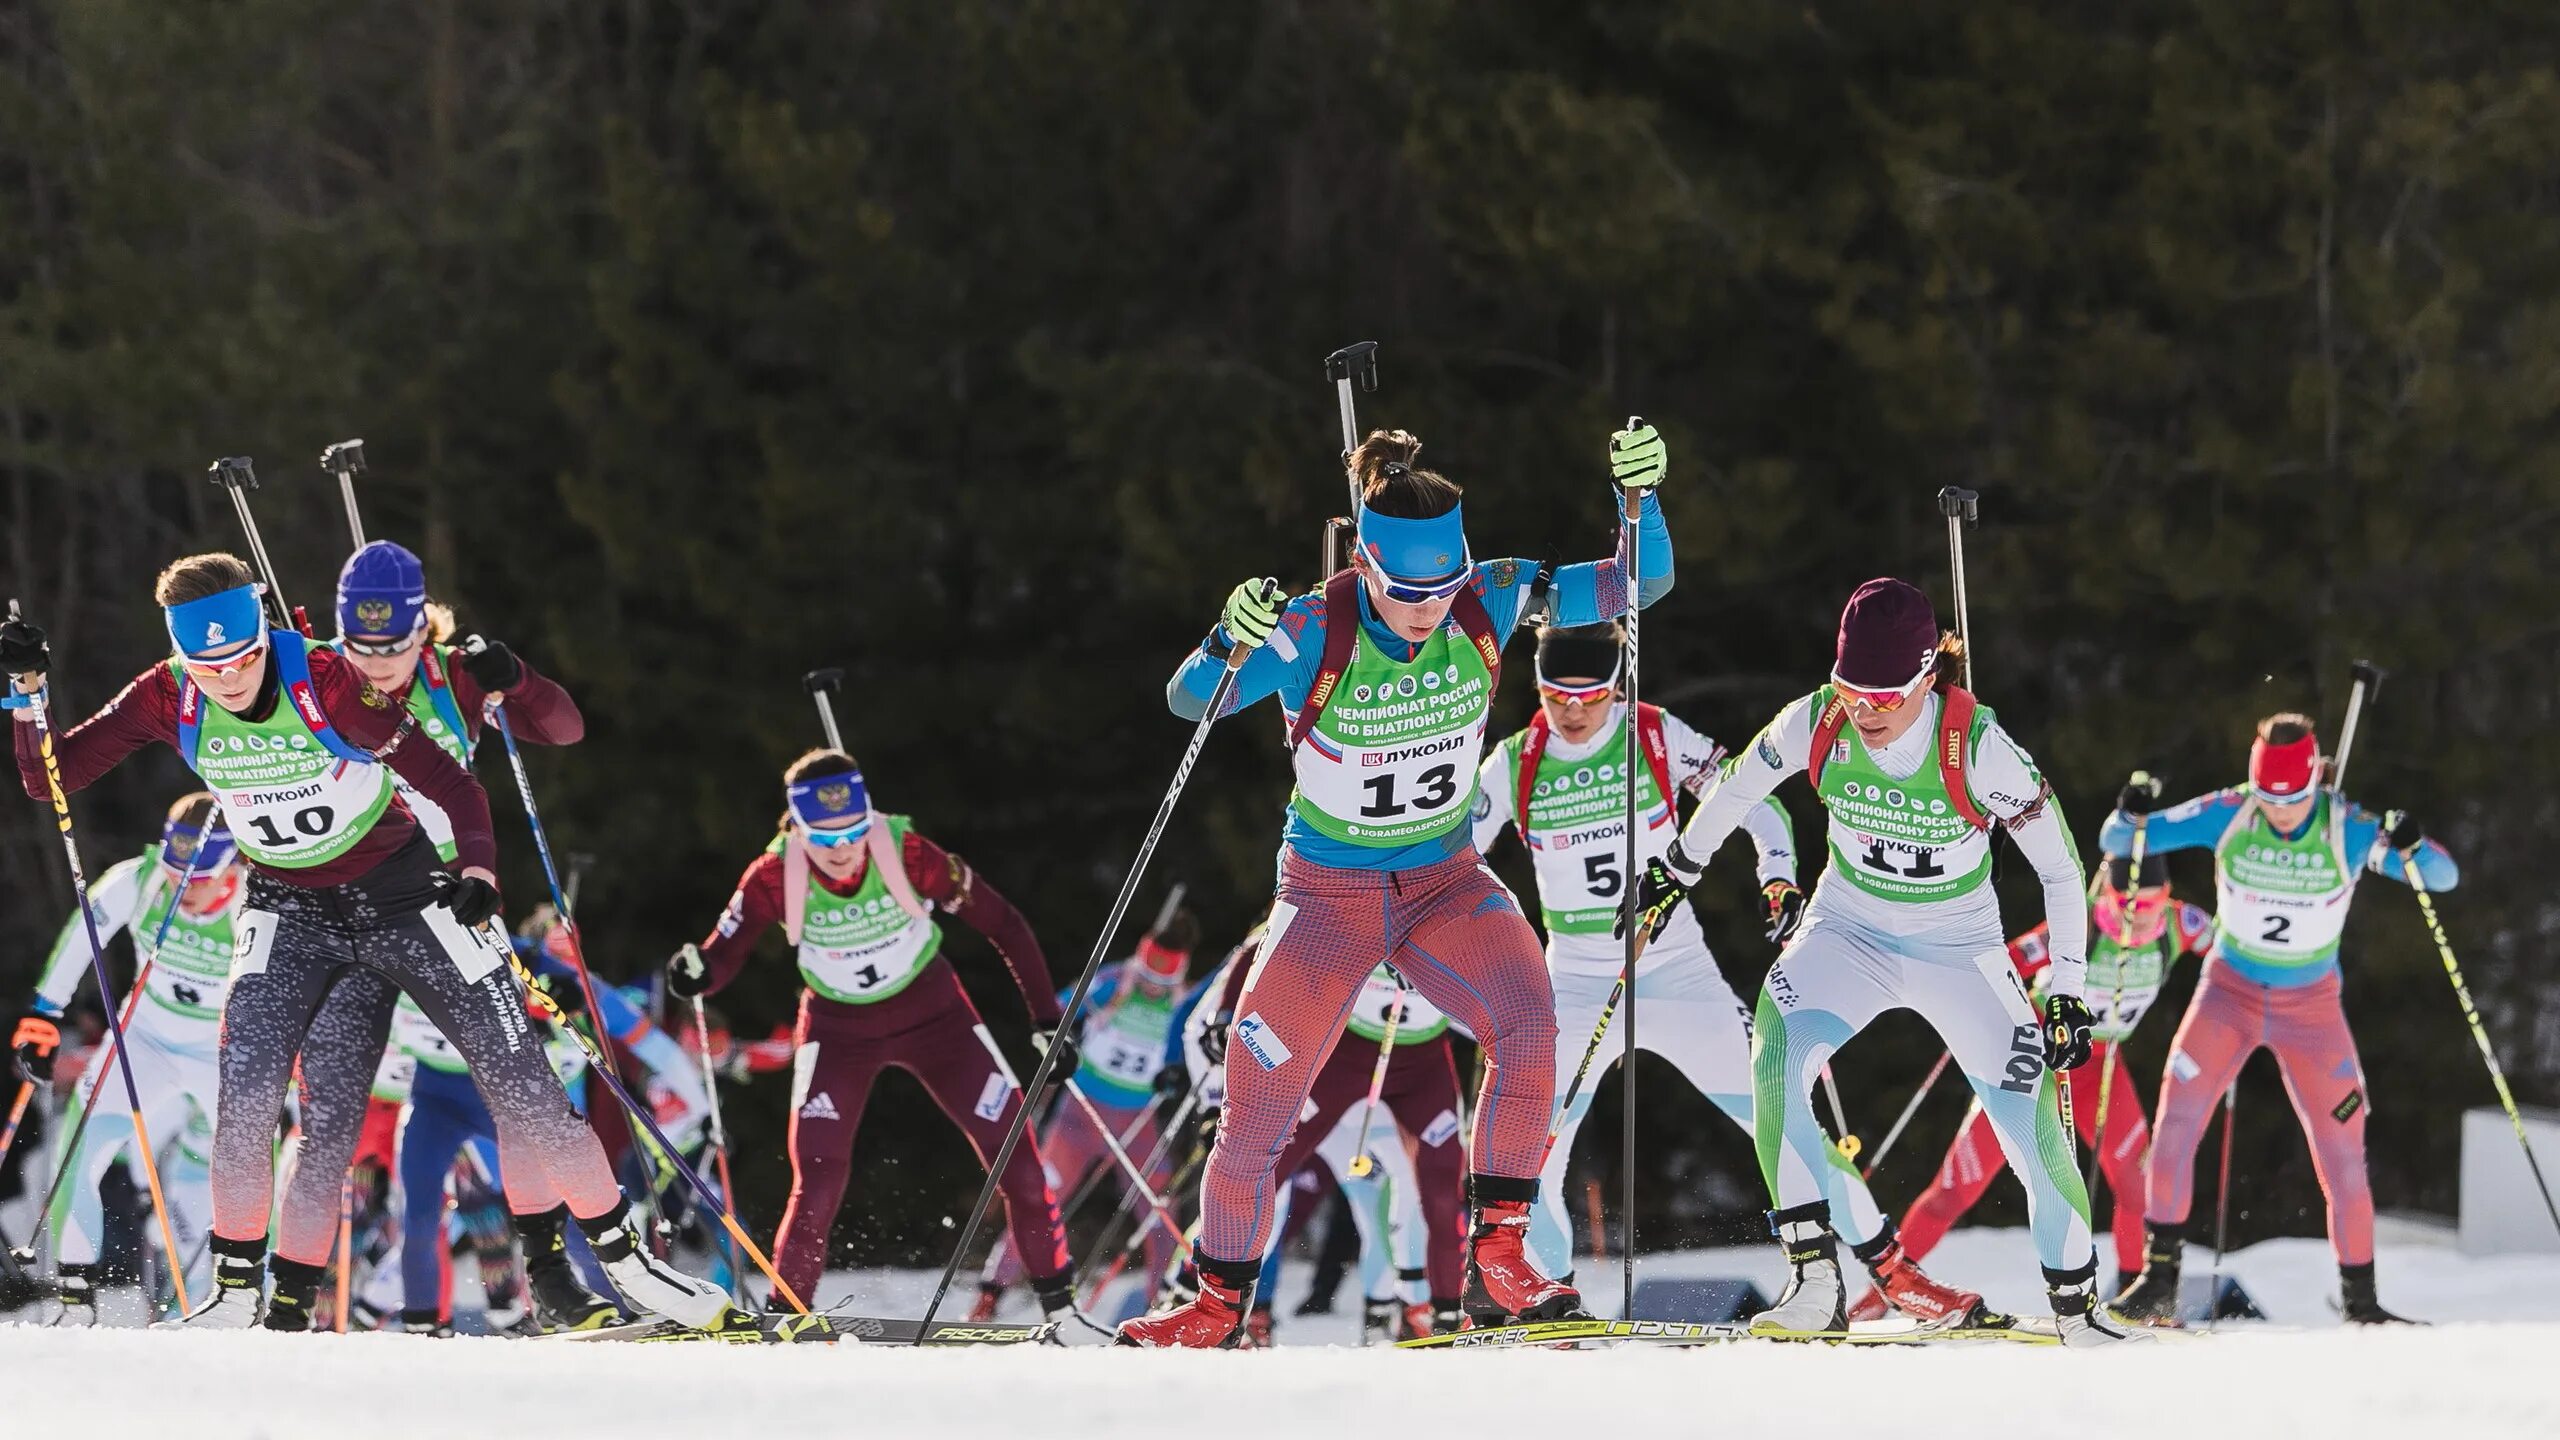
(1387, 674)
(1914, 775)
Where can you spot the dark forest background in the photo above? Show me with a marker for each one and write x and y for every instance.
(975, 346)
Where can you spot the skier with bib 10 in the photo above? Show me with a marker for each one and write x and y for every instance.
(1914, 775)
(1387, 674)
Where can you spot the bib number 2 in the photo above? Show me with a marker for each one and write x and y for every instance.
(312, 822)
(2279, 930)
(1438, 786)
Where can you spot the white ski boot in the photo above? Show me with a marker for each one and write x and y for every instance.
(239, 1283)
(652, 1285)
(1815, 1303)
(2081, 1321)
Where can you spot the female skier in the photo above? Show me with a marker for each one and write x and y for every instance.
(1914, 775)
(854, 891)
(300, 751)
(1387, 675)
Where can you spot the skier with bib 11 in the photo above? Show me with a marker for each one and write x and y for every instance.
(1387, 674)
(1914, 775)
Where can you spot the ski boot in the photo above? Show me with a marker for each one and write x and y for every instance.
(1057, 1297)
(1870, 1305)
(76, 1291)
(1504, 1286)
(559, 1299)
(239, 1274)
(1448, 1317)
(429, 1323)
(1902, 1285)
(2077, 1314)
(1213, 1318)
(1261, 1329)
(1381, 1321)
(1815, 1304)
(2152, 1298)
(651, 1284)
(294, 1298)
(990, 1300)
(2357, 1302)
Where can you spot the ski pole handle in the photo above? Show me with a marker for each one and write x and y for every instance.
(1355, 363)
(821, 685)
(346, 461)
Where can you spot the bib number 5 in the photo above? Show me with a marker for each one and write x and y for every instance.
(1436, 787)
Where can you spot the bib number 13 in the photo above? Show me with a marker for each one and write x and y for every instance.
(1438, 786)
(313, 822)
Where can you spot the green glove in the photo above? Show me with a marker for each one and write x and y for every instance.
(1636, 456)
(1252, 609)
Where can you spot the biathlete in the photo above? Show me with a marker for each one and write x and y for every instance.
(1914, 774)
(177, 898)
(1567, 774)
(299, 750)
(2287, 852)
(1387, 675)
(854, 891)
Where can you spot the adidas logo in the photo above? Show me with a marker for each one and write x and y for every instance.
(819, 1107)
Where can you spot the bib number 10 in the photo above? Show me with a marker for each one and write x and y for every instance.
(312, 822)
(1438, 786)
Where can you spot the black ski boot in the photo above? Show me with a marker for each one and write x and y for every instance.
(1379, 1320)
(429, 1323)
(296, 1293)
(2357, 1302)
(2152, 1298)
(561, 1301)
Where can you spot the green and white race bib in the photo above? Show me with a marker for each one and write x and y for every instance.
(1379, 997)
(291, 803)
(1899, 839)
(1575, 832)
(2278, 901)
(191, 971)
(865, 947)
(1392, 761)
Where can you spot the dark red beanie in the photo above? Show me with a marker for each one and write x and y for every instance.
(1887, 633)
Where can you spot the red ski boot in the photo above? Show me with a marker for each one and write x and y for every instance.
(1210, 1320)
(1504, 1286)
(1936, 1306)
(1868, 1306)
(990, 1300)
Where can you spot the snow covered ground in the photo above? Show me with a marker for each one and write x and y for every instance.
(2476, 1374)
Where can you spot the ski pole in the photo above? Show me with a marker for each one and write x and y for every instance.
(1352, 363)
(346, 461)
(1093, 964)
(2368, 685)
(1963, 510)
(2115, 1002)
(1590, 1051)
(1631, 523)
(1884, 1147)
(2222, 1201)
(346, 1250)
(1095, 1175)
(1111, 1142)
(1136, 1244)
(1847, 1144)
(2471, 1017)
(821, 684)
(1102, 1241)
(237, 476)
(98, 961)
(1362, 1166)
(640, 1114)
(17, 1112)
(719, 1130)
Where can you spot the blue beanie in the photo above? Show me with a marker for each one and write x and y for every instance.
(382, 593)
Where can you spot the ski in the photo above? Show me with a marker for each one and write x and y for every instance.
(781, 1329)
(1985, 1325)
(1579, 1332)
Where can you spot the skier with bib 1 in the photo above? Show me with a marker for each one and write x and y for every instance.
(173, 1040)
(1567, 775)
(1914, 774)
(299, 750)
(854, 891)
(1387, 675)
(400, 642)
(2287, 853)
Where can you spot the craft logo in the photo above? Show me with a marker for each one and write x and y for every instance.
(373, 617)
(835, 798)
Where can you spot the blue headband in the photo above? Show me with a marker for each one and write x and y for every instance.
(823, 798)
(182, 845)
(217, 621)
(1420, 552)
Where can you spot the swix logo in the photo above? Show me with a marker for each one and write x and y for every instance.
(308, 705)
(2026, 1059)
(819, 1107)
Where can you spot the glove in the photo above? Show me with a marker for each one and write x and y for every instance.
(1637, 457)
(1786, 909)
(36, 1042)
(2066, 1033)
(472, 900)
(1213, 1039)
(1061, 1041)
(687, 975)
(1657, 891)
(566, 993)
(1171, 1081)
(22, 649)
(2140, 795)
(492, 664)
(1253, 608)
(2402, 829)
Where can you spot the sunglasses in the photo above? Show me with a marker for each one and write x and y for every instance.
(1883, 702)
(830, 839)
(379, 649)
(1409, 593)
(1585, 695)
(241, 661)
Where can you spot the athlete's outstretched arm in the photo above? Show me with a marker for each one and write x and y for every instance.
(947, 881)
(114, 895)
(1777, 752)
(2195, 824)
(1285, 665)
(753, 908)
(2008, 787)
(143, 711)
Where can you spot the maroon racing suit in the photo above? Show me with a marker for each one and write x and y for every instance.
(929, 1029)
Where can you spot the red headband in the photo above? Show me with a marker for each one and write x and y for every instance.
(1162, 962)
(2282, 774)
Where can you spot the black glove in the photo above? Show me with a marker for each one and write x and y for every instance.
(1172, 1083)
(22, 649)
(492, 664)
(35, 1043)
(2140, 795)
(1213, 1039)
(1062, 1041)
(687, 974)
(1657, 891)
(472, 900)
(1786, 909)
(566, 993)
(2402, 829)
(2066, 1033)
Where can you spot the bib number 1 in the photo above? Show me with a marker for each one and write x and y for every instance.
(1439, 785)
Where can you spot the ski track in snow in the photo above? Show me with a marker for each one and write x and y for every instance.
(2478, 1375)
